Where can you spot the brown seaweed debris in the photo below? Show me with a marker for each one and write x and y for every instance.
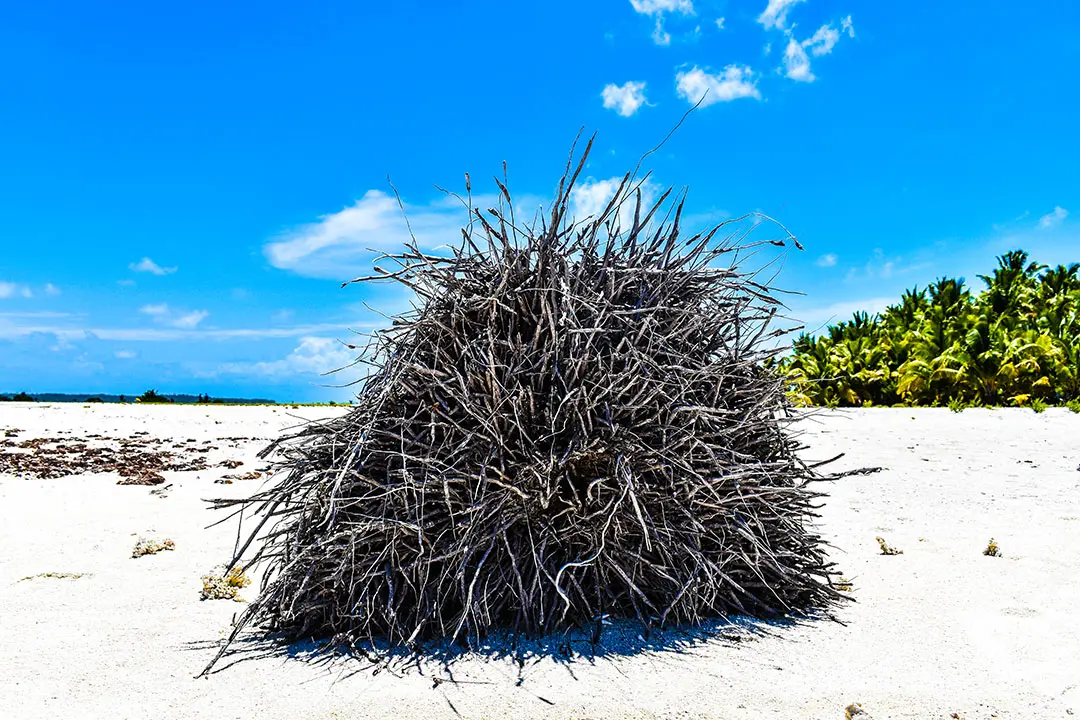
(137, 460)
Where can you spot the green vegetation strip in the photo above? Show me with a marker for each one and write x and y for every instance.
(1016, 343)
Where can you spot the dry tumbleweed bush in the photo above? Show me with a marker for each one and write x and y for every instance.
(577, 422)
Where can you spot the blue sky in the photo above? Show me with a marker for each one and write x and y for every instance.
(183, 187)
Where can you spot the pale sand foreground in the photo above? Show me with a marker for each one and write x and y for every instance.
(938, 630)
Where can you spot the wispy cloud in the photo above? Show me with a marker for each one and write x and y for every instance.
(36, 314)
(155, 310)
(775, 14)
(881, 270)
(884, 267)
(826, 261)
(660, 36)
(823, 41)
(51, 289)
(816, 317)
(796, 60)
(190, 319)
(1051, 238)
(1054, 218)
(149, 266)
(341, 245)
(719, 23)
(185, 320)
(9, 329)
(124, 354)
(624, 99)
(11, 290)
(313, 356)
(731, 83)
(846, 26)
(62, 345)
(591, 197)
(658, 7)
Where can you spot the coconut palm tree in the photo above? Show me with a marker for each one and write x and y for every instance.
(1015, 342)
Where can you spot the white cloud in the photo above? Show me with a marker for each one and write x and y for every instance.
(767, 49)
(314, 356)
(822, 41)
(183, 320)
(775, 14)
(10, 329)
(1053, 218)
(880, 270)
(659, 7)
(126, 283)
(124, 354)
(720, 23)
(342, 245)
(659, 35)
(826, 261)
(62, 344)
(883, 267)
(51, 289)
(36, 314)
(338, 244)
(591, 197)
(10, 290)
(846, 26)
(187, 321)
(796, 62)
(624, 99)
(155, 310)
(148, 265)
(733, 82)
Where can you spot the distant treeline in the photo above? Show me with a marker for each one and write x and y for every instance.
(150, 396)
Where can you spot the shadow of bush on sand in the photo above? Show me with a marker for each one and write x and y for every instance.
(618, 639)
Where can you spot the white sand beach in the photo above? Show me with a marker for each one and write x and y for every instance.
(940, 631)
